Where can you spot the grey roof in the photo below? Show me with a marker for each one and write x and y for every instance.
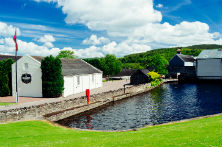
(186, 58)
(206, 54)
(74, 66)
(3, 57)
(145, 71)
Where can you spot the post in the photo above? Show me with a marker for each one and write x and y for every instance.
(16, 81)
(87, 94)
(124, 88)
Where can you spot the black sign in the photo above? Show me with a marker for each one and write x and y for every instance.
(26, 78)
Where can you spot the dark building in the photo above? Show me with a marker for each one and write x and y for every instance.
(183, 65)
(140, 77)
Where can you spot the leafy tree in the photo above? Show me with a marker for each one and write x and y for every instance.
(52, 80)
(110, 65)
(66, 54)
(158, 64)
(155, 78)
(5, 78)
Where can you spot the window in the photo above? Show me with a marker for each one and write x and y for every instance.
(93, 78)
(78, 80)
(26, 66)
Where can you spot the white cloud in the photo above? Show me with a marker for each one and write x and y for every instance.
(8, 46)
(136, 20)
(159, 6)
(94, 40)
(7, 30)
(47, 40)
(117, 17)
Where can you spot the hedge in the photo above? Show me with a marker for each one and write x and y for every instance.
(5, 77)
(52, 80)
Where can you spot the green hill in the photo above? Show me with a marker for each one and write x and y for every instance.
(139, 60)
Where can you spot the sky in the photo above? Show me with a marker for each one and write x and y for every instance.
(94, 28)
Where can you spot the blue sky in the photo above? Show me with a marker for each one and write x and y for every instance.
(116, 27)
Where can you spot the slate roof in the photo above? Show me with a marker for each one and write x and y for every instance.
(74, 66)
(124, 72)
(145, 71)
(69, 66)
(206, 54)
(3, 57)
(186, 58)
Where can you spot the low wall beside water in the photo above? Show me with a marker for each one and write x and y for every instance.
(60, 108)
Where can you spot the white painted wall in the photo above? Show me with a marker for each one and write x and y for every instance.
(33, 89)
(88, 81)
(209, 69)
(188, 63)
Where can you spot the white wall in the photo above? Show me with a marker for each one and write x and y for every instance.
(209, 69)
(33, 89)
(188, 63)
(88, 81)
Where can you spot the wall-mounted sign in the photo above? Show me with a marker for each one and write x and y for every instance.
(26, 78)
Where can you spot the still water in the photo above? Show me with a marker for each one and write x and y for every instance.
(169, 102)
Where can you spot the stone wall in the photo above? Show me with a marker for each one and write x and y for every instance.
(60, 108)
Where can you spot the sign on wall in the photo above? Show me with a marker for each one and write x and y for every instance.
(26, 78)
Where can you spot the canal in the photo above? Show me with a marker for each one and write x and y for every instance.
(169, 102)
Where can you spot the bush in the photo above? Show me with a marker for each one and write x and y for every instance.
(52, 80)
(5, 78)
(155, 78)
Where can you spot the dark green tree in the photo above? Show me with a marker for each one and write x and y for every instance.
(5, 77)
(158, 64)
(52, 79)
(110, 65)
(66, 54)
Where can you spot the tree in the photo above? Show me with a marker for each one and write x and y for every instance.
(110, 65)
(5, 78)
(158, 64)
(52, 80)
(66, 54)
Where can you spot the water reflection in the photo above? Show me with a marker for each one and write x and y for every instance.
(169, 102)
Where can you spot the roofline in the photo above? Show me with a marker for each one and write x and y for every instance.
(30, 58)
(92, 66)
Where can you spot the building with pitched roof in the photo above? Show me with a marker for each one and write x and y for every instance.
(78, 76)
(209, 65)
(183, 65)
(140, 77)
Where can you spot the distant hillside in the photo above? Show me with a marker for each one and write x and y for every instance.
(139, 60)
(142, 60)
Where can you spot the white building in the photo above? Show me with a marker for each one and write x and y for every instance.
(209, 64)
(78, 76)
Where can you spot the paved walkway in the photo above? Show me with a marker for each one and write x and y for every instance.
(107, 86)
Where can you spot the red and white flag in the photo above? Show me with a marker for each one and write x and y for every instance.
(15, 40)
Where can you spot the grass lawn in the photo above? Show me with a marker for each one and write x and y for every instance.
(206, 132)
(4, 104)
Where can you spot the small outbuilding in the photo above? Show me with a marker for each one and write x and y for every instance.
(209, 65)
(78, 76)
(140, 77)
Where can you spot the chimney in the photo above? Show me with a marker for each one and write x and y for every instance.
(179, 51)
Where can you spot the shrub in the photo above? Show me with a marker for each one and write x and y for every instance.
(155, 78)
(52, 80)
(5, 78)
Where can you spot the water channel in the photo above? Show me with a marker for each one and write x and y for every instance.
(169, 102)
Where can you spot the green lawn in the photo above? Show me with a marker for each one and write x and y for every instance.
(206, 132)
(4, 104)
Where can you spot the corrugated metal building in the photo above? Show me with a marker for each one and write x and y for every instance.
(209, 65)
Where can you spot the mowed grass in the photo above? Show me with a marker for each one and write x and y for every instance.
(205, 132)
(5, 104)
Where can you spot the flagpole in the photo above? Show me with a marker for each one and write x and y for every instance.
(16, 83)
